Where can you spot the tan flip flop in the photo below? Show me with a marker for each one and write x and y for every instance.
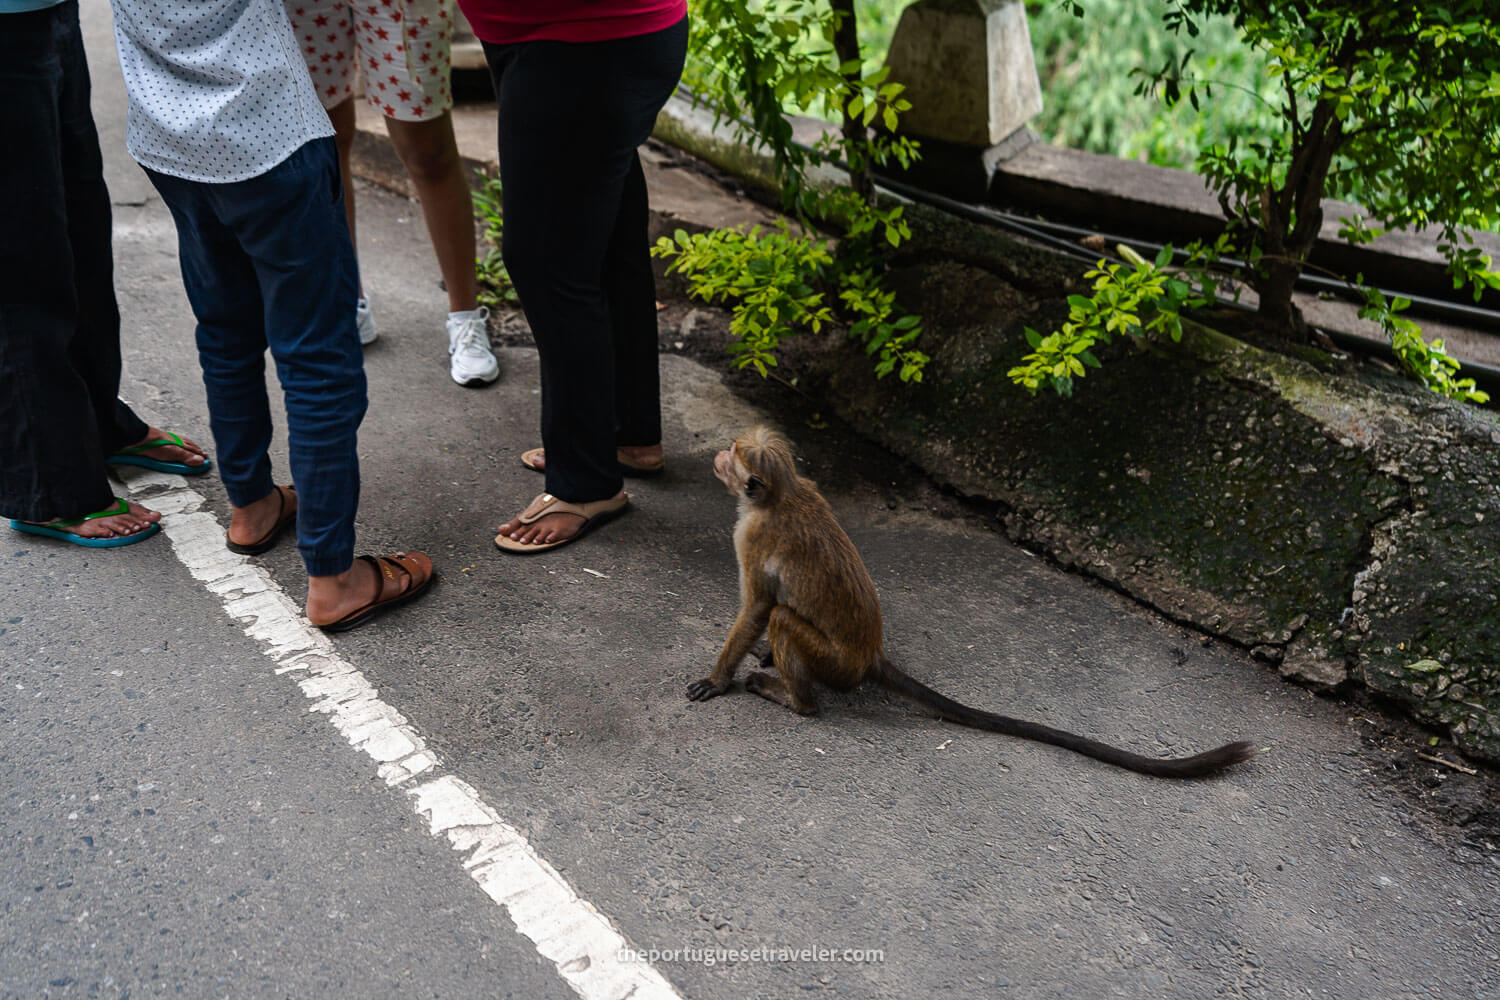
(399, 578)
(594, 514)
(628, 467)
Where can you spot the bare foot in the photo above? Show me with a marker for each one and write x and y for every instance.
(251, 523)
(115, 526)
(552, 528)
(330, 598)
(189, 454)
(389, 580)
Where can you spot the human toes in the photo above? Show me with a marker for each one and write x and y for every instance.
(188, 453)
(560, 526)
(108, 527)
(188, 444)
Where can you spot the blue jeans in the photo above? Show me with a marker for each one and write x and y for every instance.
(267, 262)
(59, 326)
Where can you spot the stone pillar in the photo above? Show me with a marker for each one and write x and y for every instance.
(971, 78)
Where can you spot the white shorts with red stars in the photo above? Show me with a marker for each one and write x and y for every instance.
(401, 46)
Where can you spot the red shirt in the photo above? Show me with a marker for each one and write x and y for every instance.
(504, 21)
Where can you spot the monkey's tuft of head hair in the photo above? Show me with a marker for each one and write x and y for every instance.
(768, 458)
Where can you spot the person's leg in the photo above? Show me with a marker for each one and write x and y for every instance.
(95, 350)
(630, 288)
(50, 445)
(327, 31)
(429, 152)
(224, 292)
(342, 117)
(412, 90)
(291, 225)
(571, 117)
(560, 190)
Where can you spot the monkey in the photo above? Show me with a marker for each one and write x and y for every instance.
(804, 585)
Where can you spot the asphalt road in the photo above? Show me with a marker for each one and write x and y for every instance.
(175, 819)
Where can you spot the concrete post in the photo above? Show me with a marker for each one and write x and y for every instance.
(971, 78)
(968, 68)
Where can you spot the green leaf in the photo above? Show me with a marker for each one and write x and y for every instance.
(1425, 666)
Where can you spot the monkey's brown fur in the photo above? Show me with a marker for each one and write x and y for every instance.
(803, 583)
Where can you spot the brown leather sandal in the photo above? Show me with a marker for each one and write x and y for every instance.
(267, 541)
(594, 514)
(400, 578)
(532, 459)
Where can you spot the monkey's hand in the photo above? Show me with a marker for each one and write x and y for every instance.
(705, 689)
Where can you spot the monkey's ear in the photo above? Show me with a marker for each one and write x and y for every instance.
(755, 488)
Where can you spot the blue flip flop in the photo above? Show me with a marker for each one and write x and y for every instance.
(133, 456)
(51, 529)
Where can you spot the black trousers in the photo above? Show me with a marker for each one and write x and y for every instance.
(571, 117)
(59, 324)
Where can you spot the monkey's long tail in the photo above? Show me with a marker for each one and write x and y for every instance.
(893, 679)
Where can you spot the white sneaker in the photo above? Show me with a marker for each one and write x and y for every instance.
(365, 321)
(471, 362)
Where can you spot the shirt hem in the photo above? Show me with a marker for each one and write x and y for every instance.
(176, 169)
(602, 30)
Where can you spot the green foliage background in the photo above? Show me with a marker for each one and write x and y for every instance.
(1086, 67)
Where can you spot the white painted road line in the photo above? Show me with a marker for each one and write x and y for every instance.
(566, 929)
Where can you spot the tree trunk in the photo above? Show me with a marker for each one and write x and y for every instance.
(1289, 243)
(1277, 310)
(856, 136)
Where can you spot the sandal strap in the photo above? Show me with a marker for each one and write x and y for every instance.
(120, 507)
(391, 568)
(161, 442)
(542, 505)
(546, 503)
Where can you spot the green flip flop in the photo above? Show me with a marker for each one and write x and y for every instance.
(133, 456)
(51, 529)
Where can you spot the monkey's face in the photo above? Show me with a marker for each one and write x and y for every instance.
(727, 466)
(737, 477)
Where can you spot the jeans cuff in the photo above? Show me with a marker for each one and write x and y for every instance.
(328, 565)
(245, 494)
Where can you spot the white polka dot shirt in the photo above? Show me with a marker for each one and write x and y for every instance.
(217, 89)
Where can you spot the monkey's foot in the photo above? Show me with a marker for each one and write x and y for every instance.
(705, 689)
(771, 687)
